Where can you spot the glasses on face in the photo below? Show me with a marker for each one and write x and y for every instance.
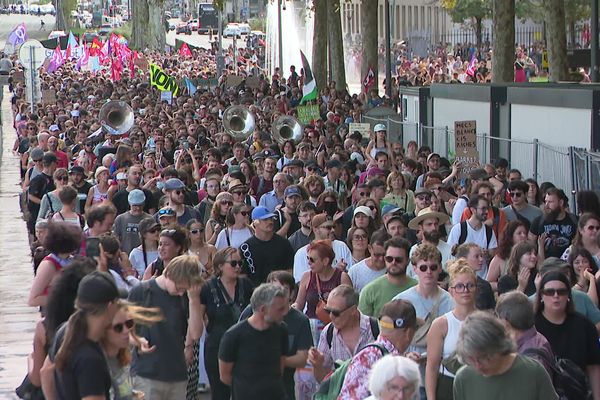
(196, 231)
(238, 193)
(336, 313)
(359, 237)
(234, 263)
(516, 194)
(424, 197)
(328, 227)
(244, 213)
(120, 326)
(364, 194)
(554, 292)
(226, 202)
(432, 267)
(593, 227)
(396, 260)
(63, 178)
(311, 260)
(461, 287)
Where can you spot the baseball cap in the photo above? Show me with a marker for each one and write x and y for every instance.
(77, 170)
(99, 288)
(147, 224)
(390, 209)
(319, 220)
(429, 157)
(292, 190)
(365, 210)
(401, 312)
(174, 184)
(121, 176)
(294, 163)
(49, 158)
(53, 128)
(379, 127)
(375, 172)
(234, 169)
(136, 197)
(422, 190)
(37, 154)
(357, 157)
(261, 212)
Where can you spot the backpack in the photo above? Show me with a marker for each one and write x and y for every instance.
(568, 378)
(331, 387)
(464, 231)
(374, 330)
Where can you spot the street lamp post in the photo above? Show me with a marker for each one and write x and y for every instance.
(279, 36)
(594, 43)
(388, 55)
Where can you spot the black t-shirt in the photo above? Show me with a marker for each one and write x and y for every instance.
(223, 312)
(257, 360)
(121, 202)
(299, 338)
(167, 362)
(294, 226)
(82, 193)
(260, 257)
(86, 372)
(560, 233)
(506, 283)
(38, 187)
(575, 339)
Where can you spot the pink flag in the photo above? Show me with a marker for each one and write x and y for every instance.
(472, 64)
(184, 50)
(56, 61)
(115, 68)
(84, 59)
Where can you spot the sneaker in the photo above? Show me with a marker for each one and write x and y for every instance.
(203, 388)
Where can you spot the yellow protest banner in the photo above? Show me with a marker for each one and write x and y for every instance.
(162, 81)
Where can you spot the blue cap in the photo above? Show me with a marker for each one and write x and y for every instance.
(174, 184)
(389, 208)
(136, 197)
(261, 212)
(292, 191)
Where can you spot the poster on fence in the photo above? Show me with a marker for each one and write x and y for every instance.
(362, 128)
(308, 113)
(465, 143)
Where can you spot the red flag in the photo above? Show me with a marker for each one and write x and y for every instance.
(184, 50)
(116, 67)
(369, 79)
(95, 47)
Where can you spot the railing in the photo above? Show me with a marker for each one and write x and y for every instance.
(568, 168)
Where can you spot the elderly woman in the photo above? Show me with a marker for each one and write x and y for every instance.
(394, 377)
(493, 368)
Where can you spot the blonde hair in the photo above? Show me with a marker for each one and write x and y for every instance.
(184, 269)
(460, 266)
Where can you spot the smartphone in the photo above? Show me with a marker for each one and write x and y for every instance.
(92, 247)
(186, 145)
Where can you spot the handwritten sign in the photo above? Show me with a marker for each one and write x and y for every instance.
(363, 128)
(308, 113)
(167, 96)
(233, 81)
(465, 141)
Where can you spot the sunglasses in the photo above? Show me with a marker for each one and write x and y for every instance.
(127, 324)
(311, 259)
(63, 178)
(168, 212)
(328, 227)
(424, 197)
(432, 267)
(196, 231)
(178, 192)
(238, 192)
(593, 227)
(235, 263)
(363, 194)
(336, 313)
(244, 213)
(226, 202)
(516, 194)
(359, 237)
(554, 292)
(397, 260)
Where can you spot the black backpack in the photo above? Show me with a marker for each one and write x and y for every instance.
(372, 322)
(464, 231)
(569, 380)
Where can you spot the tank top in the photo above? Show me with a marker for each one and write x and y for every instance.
(450, 340)
(58, 263)
(99, 197)
(312, 293)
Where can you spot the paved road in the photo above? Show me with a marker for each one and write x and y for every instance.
(32, 23)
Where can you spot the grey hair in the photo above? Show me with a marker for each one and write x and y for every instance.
(41, 224)
(516, 309)
(483, 334)
(265, 294)
(348, 293)
(390, 367)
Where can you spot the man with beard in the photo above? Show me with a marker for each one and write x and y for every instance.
(287, 221)
(365, 271)
(120, 198)
(80, 184)
(557, 226)
(261, 340)
(422, 200)
(175, 191)
(314, 185)
(304, 235)
(473, 230)
(263, 183)
(427, 223)
(383, 289)
(61, 156)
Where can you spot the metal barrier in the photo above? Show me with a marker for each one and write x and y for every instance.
(569, 168)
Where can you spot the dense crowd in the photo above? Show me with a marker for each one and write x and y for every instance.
(330, 265)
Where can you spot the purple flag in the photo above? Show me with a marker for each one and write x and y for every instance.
(18, 35)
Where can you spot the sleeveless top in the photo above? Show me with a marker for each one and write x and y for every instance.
(376, 150)
(58, 263)
(450, 340)
(312, 293)
(99, 197)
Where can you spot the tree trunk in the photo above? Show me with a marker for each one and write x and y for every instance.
(368, 17)
(572, 36)
(319, 55)
(336, 45)
(156, 27)
(139, 19)
(504, 38)
(554, 13)
(61, 23)
(478, 32)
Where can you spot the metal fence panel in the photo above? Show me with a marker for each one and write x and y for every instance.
(554, 166)
(521, 156)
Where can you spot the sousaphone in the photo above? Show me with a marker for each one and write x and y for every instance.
(285, 128)
(116, 117)
(239, 122)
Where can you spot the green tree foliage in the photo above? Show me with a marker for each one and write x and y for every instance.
(474, 11)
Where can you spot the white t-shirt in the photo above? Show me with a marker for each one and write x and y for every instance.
(458, 209)
(136, 258)
(361, 274)
(478, 237)
(236, 237)
(341, 250)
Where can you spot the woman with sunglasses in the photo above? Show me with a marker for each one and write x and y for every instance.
(516, 232)
(117, 347)
(222, 300)
(443, 334)
(570, 334)
(172, 242)
(50, 203)
(217, 221)
(237, 230)
(588, 228)
(321, 279)
(198, 247)
(358, 243)
(147, 252)
(522, 270)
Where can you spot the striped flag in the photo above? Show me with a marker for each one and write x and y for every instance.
(472, 64)
(309, 89)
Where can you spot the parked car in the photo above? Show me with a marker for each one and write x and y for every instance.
(183, 28)
(193, 24)
(105, 30)
(232, 30)
(244, 28)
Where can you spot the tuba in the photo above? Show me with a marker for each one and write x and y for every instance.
(285, 128)
(116, 117)
(238, 121)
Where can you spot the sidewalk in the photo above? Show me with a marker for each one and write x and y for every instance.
(17, 320)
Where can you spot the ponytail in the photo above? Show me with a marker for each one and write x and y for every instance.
(75, 333)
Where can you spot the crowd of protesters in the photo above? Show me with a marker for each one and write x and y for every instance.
(252, 266)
